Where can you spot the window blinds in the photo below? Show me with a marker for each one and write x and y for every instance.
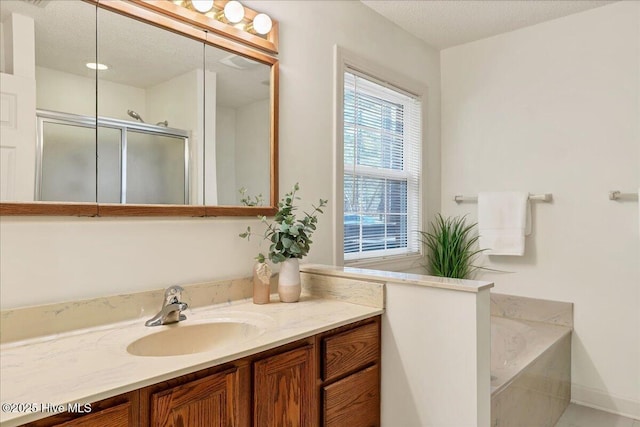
(382, 145)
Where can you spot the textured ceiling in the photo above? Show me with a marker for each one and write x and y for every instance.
(448, 23)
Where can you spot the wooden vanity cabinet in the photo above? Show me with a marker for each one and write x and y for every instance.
(331, 379)
(117, 411)
(202, 399)
(284, 388)
(350, 375)
(353, 401)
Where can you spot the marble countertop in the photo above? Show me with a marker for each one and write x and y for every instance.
(518, 344)
(87, 365)
(391, 277)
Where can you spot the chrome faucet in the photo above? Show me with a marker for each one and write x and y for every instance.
(172, 308)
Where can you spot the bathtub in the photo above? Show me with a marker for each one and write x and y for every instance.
(530, 372)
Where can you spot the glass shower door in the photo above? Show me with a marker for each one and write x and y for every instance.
(110, 165)
(131, 163)
(156, 169)
(68, 163)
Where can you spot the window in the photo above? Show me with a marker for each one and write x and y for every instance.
(382, 141)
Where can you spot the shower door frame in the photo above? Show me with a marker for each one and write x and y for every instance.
(47, 116)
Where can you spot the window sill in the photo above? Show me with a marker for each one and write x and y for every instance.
(400, 263)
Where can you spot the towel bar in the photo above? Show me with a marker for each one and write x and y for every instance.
(617, 195)
(545, 197)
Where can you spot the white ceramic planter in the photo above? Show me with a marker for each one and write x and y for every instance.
(289, 287)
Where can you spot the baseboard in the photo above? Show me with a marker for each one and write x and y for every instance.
(597, 399)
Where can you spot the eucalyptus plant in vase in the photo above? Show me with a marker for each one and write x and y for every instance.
(290, 240)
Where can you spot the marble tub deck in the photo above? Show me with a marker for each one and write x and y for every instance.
(538, 338)
(535, 389)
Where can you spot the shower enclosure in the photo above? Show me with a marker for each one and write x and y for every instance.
(118, 161)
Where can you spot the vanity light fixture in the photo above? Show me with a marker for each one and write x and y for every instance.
(202, 6)
(261, 24)
(234, 11)
(96, 66)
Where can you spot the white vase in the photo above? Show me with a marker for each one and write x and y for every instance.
(289, 287)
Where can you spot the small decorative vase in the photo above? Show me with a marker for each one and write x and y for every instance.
(289, 287)
(261, 283)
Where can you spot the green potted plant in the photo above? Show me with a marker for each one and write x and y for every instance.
(451, 248)
(248, 200)
(290, 240)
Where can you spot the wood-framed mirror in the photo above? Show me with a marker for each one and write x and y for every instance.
(182, 122)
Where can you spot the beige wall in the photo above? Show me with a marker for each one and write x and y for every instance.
(554, 108)
(252, 142)
(431, 375)
(226, 154)
(69, 93)
(59, 259)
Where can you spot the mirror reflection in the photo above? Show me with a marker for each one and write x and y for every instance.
(156, 98)
(178, 121)
(42, 48)
(242, 127)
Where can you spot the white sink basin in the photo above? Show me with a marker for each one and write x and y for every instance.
(183, 338)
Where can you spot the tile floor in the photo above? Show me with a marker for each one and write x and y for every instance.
(582, 416)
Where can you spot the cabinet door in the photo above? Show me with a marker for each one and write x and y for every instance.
(283, 389)
(353, 401)
(117, 411)
(210, 401)
(118, 416)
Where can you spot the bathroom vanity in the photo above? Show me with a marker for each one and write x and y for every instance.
(231, 362)
(316, 362)
(330, 379)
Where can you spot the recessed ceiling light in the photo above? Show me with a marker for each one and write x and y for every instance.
(97, 66)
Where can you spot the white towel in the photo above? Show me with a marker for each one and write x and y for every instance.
(503, 222)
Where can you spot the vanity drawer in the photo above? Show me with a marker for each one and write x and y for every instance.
(353, 401)
(350, 350)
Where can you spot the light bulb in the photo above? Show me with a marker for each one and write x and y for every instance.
(202, 6)
(233, 11)
(96, 66)
(262, 23)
